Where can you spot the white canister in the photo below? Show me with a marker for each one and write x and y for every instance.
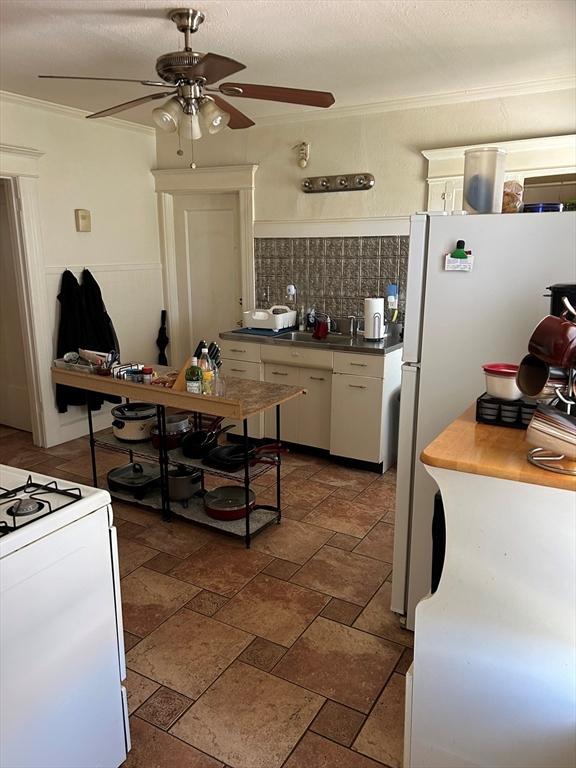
(374, 327)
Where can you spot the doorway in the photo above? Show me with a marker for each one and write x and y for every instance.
(15, 408)
(209, 266)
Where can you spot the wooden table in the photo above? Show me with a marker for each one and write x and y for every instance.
(241, 400)
(493, 681)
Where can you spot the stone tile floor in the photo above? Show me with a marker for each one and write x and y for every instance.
(282, 656)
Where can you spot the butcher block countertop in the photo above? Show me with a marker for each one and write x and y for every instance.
(242, 398)
(482, 449)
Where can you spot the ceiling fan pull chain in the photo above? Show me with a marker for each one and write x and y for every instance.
(192, 164)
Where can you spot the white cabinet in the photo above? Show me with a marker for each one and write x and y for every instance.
(242, 369)
(356, 417)
(289, 412)
(365, 406)
(314, 408)
(349, 405)
(305, 420)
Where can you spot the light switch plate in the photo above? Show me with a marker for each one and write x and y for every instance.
(83, 220)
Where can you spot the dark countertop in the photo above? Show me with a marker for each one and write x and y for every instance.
(334, 342)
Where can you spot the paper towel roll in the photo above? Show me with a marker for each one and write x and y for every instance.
(374, 319)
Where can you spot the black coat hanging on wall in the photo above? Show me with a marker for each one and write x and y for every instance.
(84, 324)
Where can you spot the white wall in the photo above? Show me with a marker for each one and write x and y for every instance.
(105, 167)
(388, 145)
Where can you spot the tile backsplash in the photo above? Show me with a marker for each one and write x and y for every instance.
(332, 274)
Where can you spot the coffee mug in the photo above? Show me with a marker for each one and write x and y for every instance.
(536, 379)
(554, 341)
(321, 329)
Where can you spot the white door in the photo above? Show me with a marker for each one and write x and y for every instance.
(14, 401)
(208, 266)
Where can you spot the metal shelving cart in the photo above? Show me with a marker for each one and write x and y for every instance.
(243, 399)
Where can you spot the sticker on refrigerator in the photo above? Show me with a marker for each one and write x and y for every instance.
(459, 260)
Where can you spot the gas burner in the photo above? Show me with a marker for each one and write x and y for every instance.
(25, 507)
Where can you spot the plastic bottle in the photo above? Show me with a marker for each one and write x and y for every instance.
(207, 372)
(194, 378)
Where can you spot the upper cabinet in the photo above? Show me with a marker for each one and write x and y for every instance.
(544, 157)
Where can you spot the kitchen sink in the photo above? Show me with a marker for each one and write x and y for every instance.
(332, 338)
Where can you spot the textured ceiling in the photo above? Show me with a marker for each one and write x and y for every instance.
(364, 51)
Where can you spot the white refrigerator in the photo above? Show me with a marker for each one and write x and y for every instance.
(455, 322)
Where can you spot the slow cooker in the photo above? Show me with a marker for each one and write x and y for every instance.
(133, 422)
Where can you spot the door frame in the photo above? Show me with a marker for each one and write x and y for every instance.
(236, 179)
(19, 166)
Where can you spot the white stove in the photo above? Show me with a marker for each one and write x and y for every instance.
(62, 702)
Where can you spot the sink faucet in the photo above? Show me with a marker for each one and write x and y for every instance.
(353, 325)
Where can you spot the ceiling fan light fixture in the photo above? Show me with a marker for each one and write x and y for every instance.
(214, 117)
(167, 117)
(190, 127)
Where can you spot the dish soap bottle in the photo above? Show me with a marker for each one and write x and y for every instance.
(194, 377)
(207, 372)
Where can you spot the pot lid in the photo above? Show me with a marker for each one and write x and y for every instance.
(136, 474)
(500, 369)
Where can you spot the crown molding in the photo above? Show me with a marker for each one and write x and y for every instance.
(63, 110)
(441, 98)
(564, 83)
(567, 141)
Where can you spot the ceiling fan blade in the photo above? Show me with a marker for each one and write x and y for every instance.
(130, 104)
(109, 79)
(275, 93)
(237, 119)
(213, 67)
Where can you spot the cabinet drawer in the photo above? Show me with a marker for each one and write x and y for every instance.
(300, 356)
(356, 423)
(240, 350)
(359, 365)
(241, 369)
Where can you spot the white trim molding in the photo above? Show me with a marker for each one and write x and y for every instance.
(538, 153)
(439, 99)
(237, 179)
(61, 109)
(525, 158)
(125, 266)
(19, 161)
(19, 164)
(388, 225)
(212, 180)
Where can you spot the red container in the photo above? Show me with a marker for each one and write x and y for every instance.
(554, 341)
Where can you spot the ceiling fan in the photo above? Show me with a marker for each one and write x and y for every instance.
(190, 74)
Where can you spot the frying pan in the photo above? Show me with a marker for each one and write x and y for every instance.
(228, 502)
(197, 444)
(230, 458)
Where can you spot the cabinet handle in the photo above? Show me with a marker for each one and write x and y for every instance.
(359, 365)
(277, 373)
(236, 350)
(317, 378)
(238, 370)
(357, 386)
